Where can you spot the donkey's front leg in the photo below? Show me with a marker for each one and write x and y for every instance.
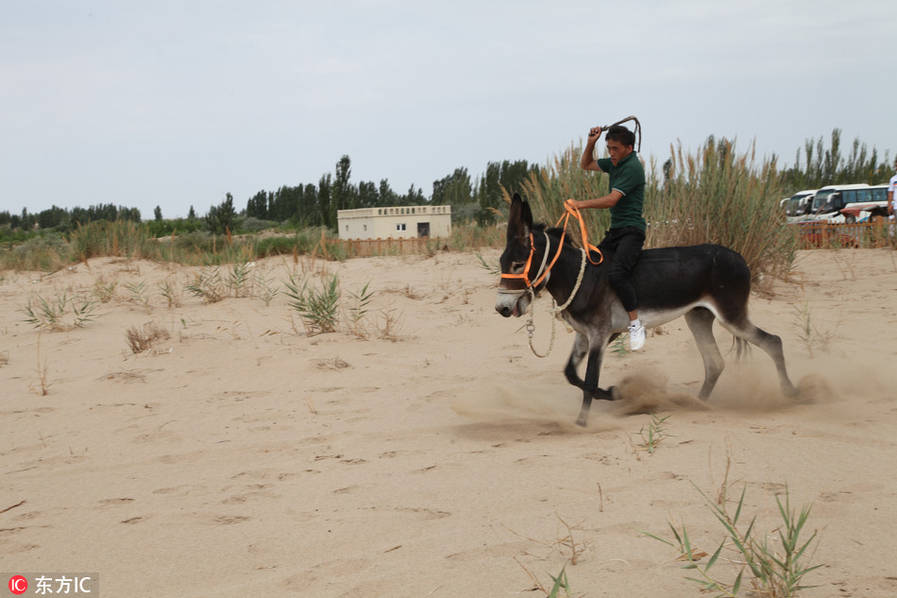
(590, 388)
(580, 348)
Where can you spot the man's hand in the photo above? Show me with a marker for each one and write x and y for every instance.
(571, 204)
(594, 134)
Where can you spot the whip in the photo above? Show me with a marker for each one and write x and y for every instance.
(638, 129)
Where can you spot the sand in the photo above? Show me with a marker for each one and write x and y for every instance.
(242, 457)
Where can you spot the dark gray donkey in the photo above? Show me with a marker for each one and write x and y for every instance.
(702, 282)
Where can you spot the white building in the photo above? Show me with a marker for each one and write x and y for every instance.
(399, 222)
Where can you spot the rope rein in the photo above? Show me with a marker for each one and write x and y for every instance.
(556, 309)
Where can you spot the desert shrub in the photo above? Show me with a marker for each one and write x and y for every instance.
(46, 253)
(318, 307)
(116, 238)
(276, 245)
(208, 286)
(249, 224)
(61, 312)
(777, 569)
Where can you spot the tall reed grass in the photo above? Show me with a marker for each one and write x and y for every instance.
(714, 194)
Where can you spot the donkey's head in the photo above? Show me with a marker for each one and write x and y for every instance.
(516, 261)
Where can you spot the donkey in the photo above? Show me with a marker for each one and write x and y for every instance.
(701, 282)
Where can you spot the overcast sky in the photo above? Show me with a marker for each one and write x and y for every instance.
(176, 103)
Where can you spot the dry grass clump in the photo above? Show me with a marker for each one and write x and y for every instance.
(137, 293)
(43, 372)
(809, 333)
(142, 338)
(104, 291)
(565, 545)
(334, 363)
(388, 328)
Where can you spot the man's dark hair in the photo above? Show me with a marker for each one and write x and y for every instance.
(621, 134)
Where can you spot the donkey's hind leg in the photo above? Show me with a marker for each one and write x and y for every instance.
(700, 322)
(771, 344)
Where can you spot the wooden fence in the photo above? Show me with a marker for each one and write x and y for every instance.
(377, 247)
(860, 234)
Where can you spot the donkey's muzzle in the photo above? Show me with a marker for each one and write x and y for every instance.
(504, 310)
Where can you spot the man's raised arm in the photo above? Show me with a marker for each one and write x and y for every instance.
(587, 162)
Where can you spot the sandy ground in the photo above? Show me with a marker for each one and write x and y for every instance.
(242, 457)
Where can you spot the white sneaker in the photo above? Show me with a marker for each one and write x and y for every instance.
(636, 335)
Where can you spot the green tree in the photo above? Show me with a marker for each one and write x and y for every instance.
(157, 213)
(385, 195)
(257, 206)
(454, 189)
(367, 194)
(324, 203)
(220, 218)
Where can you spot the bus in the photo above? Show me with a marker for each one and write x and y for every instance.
(828, 201)
(798, 205)
(861, 205)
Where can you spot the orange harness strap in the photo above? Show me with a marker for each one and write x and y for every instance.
(587, 247)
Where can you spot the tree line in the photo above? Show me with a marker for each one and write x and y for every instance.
(317, 205)
(307, 204)
(479, 198)
(823, 166)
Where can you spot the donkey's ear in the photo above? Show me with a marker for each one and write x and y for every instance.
(520, 219)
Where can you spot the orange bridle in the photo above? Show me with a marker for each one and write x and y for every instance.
(540, 276)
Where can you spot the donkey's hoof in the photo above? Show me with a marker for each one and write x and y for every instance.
(606, 394)
(582, 421)
(614, 393)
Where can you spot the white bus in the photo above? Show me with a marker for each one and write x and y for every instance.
(829, 201)
(861, 205)
(798, 205)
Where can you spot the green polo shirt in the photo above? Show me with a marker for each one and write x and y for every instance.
(627, 177)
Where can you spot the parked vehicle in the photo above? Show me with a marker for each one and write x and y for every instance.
(799, 204)
(861, 205)
(828, 202)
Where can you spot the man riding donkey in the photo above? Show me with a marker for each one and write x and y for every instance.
(625, 200)
(704, 283)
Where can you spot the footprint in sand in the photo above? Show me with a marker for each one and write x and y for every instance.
(183, 490)
(108, 502)
(427, 514)
(230, 519)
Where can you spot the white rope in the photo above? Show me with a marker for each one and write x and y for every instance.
(531, 328)
(582, 270)
(530, 323)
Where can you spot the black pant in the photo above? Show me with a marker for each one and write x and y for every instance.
(622, 247)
